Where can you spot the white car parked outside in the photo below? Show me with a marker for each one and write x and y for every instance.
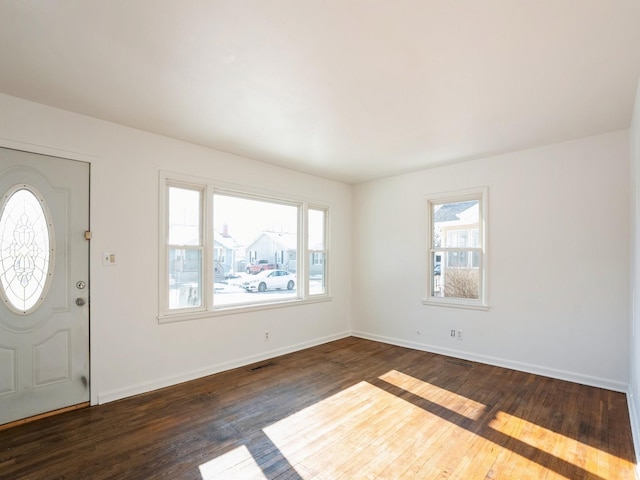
(270, 280)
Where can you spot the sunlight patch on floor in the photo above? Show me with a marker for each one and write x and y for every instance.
(365, 431)
(461, 405)
(591, 459)
(237, 464)
(361, 432)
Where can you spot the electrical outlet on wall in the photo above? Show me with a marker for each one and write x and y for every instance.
(459, 334)
(266, 336)
(108, 259)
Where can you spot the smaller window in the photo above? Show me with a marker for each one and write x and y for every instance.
(317, 251)
(456, 249)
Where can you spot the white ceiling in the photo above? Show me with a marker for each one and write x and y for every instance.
(346, 89)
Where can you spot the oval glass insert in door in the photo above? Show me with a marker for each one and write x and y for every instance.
(26, 246)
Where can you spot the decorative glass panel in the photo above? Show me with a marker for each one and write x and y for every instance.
(25, 249)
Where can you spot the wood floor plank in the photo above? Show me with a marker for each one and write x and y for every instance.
(349, 409)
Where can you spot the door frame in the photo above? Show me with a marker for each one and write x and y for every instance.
(89, 159)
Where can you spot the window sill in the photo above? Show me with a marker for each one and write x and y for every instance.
(455, 304)
(235, 309)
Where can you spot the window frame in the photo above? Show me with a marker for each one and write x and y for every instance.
(481, 303)
(209, 188)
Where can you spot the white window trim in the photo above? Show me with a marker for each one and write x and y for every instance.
(165, 245)
(482, 303)
(209, 188)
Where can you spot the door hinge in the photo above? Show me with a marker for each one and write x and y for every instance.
(87, 235)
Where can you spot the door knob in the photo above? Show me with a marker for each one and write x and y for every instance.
(80, 301)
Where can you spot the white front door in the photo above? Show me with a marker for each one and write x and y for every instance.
(44, 284)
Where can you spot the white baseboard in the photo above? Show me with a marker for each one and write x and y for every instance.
(118, 394)
(156, 384)
(500, 362)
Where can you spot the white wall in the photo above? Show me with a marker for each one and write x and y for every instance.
(558, 257)
(558, 261)
(131, 352)
(634, 388)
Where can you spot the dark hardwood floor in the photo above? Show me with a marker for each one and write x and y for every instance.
(350, 409)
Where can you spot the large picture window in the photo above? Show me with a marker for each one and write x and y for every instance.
(456, 259)
(226, 249)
